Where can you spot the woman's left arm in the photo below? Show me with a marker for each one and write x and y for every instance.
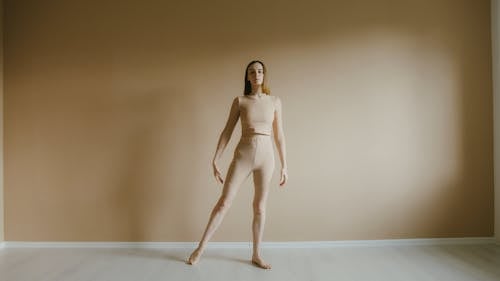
(279, 138)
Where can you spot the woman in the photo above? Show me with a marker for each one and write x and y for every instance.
(260, 115)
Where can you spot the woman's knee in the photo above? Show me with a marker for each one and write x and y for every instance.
(223, 204)
(259, 209)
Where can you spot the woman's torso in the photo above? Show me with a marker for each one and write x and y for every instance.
(256, 114)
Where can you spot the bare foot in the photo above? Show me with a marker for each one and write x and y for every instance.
(194, 258)
(260, 263)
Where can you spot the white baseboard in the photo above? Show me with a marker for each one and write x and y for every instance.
(246, 245)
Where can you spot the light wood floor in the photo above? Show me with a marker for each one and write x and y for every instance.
(422, 262)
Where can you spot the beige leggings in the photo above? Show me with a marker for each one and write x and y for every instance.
(254, 153)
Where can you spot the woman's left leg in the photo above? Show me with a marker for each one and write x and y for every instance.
(262, 181)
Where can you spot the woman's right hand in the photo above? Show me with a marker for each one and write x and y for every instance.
(217, 174)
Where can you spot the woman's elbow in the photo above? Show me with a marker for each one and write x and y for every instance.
(280, 139)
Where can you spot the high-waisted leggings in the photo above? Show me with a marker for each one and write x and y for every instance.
(254, 153)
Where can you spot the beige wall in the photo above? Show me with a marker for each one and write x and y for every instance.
(113, 110)
(495, 16)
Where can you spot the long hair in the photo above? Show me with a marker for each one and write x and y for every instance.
(248, 85)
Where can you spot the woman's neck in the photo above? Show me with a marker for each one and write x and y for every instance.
(257, 91)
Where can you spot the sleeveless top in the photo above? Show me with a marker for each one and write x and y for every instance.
(257, 114)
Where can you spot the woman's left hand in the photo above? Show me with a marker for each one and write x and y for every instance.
(284, 177)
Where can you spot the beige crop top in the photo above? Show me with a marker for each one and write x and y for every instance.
(257, 114)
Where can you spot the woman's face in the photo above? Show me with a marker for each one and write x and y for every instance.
(255, 74)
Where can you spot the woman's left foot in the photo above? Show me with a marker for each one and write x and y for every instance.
(260, 263)
(194, 258)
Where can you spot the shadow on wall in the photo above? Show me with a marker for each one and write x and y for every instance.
(149, 186)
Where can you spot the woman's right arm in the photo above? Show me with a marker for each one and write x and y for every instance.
(234, 114)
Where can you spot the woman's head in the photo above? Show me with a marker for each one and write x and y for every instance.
(256, 75)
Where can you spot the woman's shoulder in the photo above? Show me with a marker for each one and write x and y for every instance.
(239, 99)
(276, 100)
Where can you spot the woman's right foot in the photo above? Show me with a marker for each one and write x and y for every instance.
(260, 263)
(195, 257)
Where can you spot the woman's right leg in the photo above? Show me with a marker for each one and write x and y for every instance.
(238, 171)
